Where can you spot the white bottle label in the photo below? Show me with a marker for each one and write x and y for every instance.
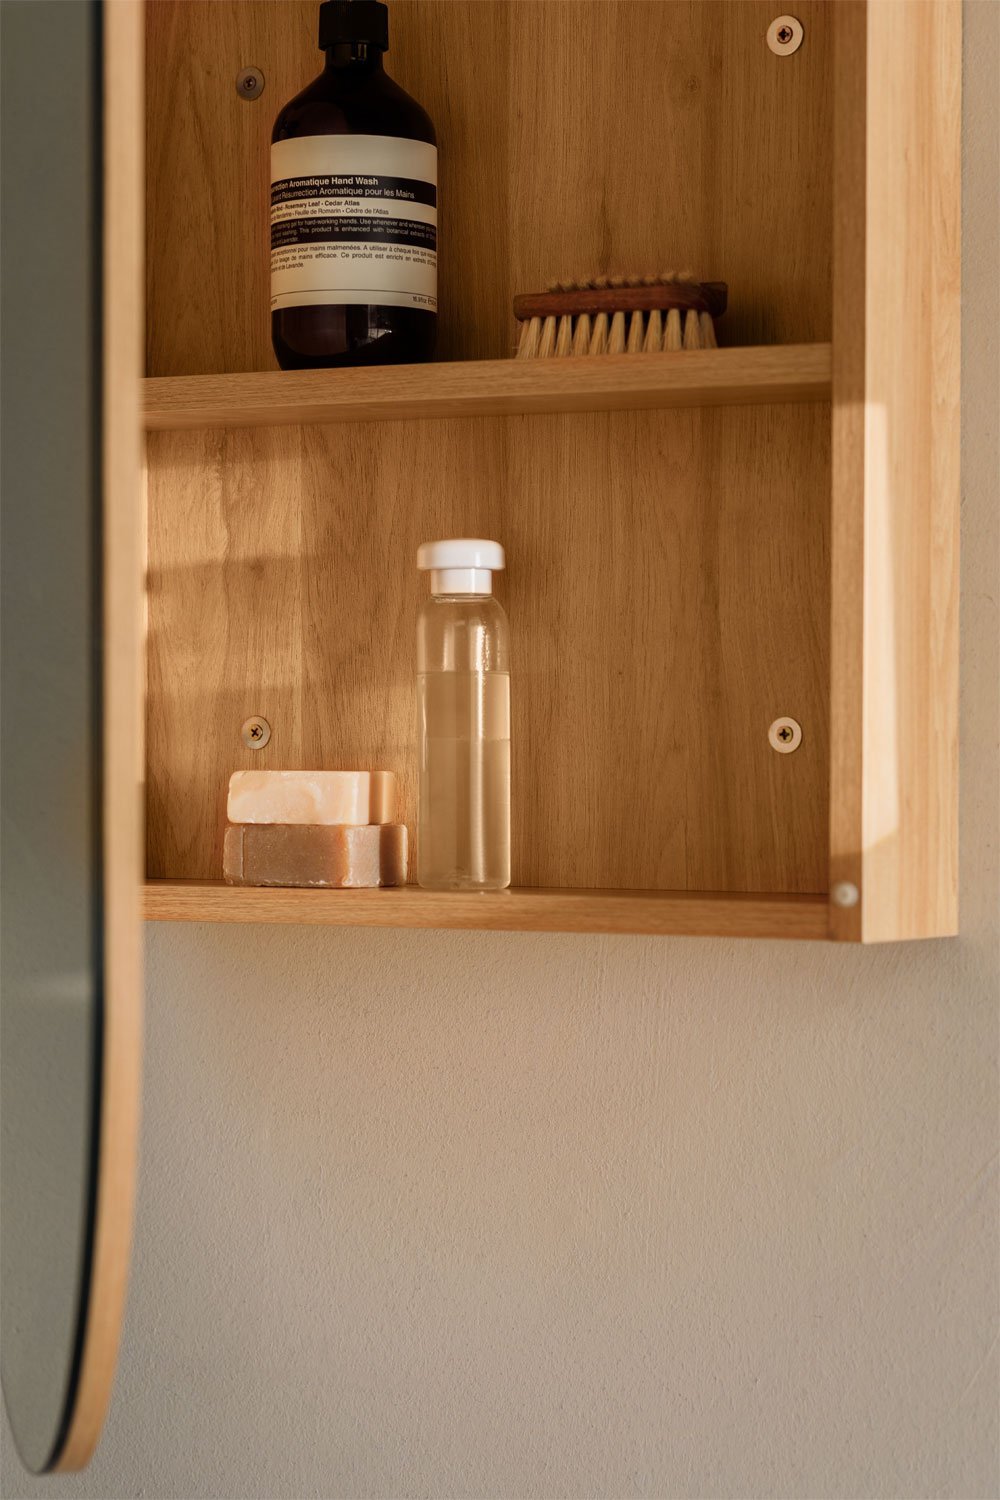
(353, 219)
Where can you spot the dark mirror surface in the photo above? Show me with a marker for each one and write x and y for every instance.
(50, 958)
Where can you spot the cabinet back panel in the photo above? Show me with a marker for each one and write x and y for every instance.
(668, 590)
(577, 137)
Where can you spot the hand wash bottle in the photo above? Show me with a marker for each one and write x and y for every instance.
(463, 721)
(353, 208)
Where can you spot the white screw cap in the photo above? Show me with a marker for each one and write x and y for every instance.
(845, 893)
(461, 565)
(460, 552)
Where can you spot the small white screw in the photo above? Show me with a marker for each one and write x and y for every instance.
(785, 735)
(845, 893)
(784, 36)
(255, 733)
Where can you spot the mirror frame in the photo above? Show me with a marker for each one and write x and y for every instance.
(113, 487)
(123, 504)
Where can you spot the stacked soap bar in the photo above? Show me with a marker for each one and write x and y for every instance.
(314, 828)
(334, 854)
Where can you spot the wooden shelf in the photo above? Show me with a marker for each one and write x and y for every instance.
(682, 913)
(505, 387)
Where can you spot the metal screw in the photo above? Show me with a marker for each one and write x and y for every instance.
(785, 735)
(784, 35)
(255, 733)
(250, 83)
(845, 893)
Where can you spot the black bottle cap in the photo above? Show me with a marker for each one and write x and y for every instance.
(353, 21)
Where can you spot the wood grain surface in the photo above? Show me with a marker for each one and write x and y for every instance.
(896, 438)
(651, 912)
(625, 382)
(667, 588)
(121, 771)
(576, 139)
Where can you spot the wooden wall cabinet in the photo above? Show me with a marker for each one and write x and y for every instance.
(697, 543)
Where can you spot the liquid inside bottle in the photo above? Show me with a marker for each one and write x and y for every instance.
(463, 721)
(463, 835)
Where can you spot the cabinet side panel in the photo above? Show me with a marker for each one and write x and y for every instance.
(577, 138)
(667, 587)
(894, 796)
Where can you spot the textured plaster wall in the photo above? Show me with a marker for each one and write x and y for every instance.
(464, 1215)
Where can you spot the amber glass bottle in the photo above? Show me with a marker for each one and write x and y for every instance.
(353, 208)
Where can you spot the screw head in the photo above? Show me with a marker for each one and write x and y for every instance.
(845, 893)
(250, 83)
(255, 733)
(785, 735)
(784, 35)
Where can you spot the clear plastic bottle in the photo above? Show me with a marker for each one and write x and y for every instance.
(463, 721)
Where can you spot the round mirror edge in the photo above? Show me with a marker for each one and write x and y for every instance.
(122, 774)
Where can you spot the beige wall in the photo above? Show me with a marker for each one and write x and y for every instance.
(467, 1215)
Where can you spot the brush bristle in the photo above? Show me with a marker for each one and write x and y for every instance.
(634, 332)
(547, 342)
(530, 331)
(581, 335)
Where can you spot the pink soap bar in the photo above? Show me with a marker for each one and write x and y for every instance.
(312, 797)
(311, 854)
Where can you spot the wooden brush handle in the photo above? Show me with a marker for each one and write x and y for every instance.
(706, 296)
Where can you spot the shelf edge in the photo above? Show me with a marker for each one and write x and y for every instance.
(764, 374)
(678, 913)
